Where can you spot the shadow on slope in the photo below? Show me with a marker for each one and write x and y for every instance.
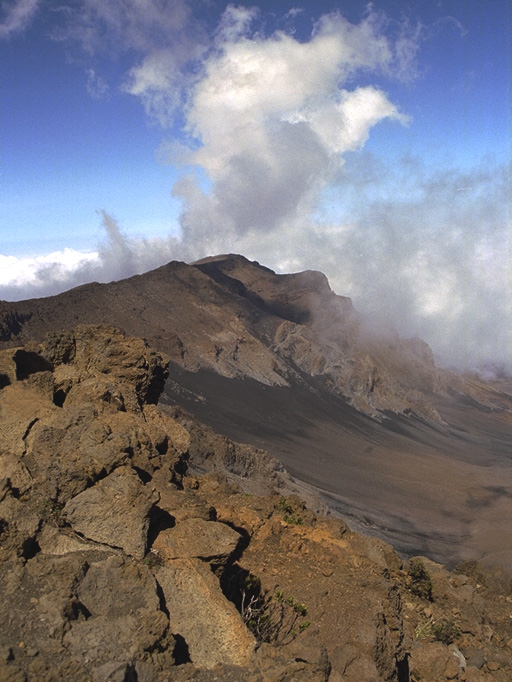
(413, 485)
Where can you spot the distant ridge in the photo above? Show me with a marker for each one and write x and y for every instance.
(412, 452)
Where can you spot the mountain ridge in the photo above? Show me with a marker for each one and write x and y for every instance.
(285, 364)
(295, 302)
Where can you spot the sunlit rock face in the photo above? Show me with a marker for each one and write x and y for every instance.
(136, 543)
(413, 453)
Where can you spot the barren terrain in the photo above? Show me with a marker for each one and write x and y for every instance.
(403, 449)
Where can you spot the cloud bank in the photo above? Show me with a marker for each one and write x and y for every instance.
(273, 121)
(272, 141)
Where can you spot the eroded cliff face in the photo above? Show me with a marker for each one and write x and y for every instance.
(118, 564)
(236, 318)
(312, 332)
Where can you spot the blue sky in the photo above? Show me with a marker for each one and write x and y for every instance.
(369, 141)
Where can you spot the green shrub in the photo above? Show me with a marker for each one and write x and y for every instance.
(420, 582)
(275, 618)
(445, 631)
(289, 514)
(51, 512)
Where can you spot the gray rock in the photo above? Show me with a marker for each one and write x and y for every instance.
(475, 657)
(62, 541)
(117, 587)
(103, 639)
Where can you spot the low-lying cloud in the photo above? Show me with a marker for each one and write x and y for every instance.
(273, 135)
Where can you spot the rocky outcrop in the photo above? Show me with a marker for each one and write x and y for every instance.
(311, 329)
(116, 563)
(106, 557)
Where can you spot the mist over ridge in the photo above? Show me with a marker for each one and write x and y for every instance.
(428, 284)
(268, 125)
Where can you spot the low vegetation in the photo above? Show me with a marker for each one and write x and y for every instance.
(444, 631)
(290, 515)
(275, 618)
(420, 582)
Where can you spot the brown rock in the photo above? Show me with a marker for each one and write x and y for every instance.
(165, 431)
(62, 541)
(104, 639)
(114, 512)
(472, 674)
(196, 538)
(433, 661)
(118, 587)
(183, 504)
(296, 661)
(198, 611)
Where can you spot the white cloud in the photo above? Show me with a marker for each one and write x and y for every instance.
(273, 121)
(345, 125)
(20, 271)
(156, 81)
(434, 262)
(17, 16)
(235, 23)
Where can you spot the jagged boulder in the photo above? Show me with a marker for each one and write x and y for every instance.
(197, 538)
(198, 611)
(114, 512)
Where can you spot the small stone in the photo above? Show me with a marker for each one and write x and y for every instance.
(452, 669)
(492, 666)
(476, 658)
(487, 632)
